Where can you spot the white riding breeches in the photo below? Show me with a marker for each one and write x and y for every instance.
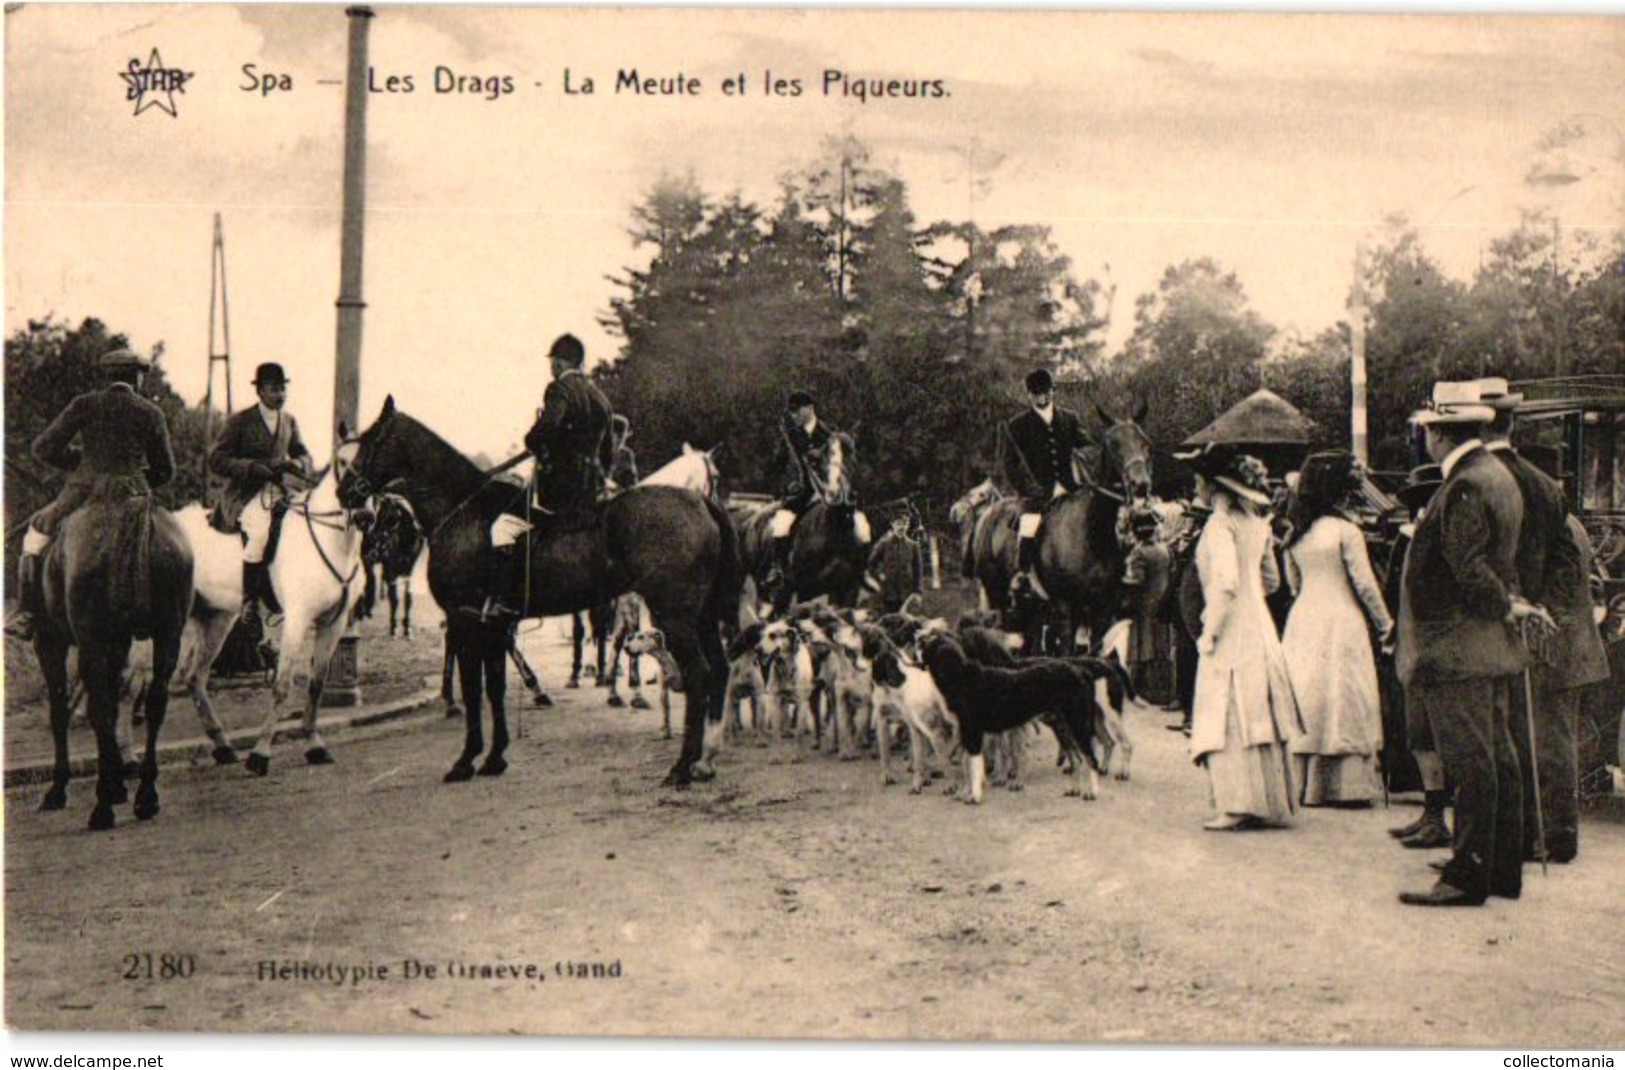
(784, 520)
(256, 524)
(508, 529)
(1029, 524)
(35, 542)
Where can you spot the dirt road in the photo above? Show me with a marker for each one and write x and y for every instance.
(792, 898)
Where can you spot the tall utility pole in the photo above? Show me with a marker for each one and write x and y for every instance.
(1358, 427)
(219, 331)
(347, 374)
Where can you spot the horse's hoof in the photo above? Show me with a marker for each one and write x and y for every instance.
(224, 755)
(616, 702)
(702, 772)
(542, 700)
(121, 795)
(640, 703)
(55, 799)
(493, 767)
(453, 710)
(573, 684)
(102, 819)
(1014, 786)
(458, 774)
(146, 805)
(318, 756)
(258, 764)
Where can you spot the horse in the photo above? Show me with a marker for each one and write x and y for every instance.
(118, 571)
(672, 546)
(987, 551)
(1079, 552)
(693, 469)
(390, 550)
(827, 551)
(316, 575)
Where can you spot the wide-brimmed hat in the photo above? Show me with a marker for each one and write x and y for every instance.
(1248, 478)
(115, 359)
(1040, 381)
(1460, 402)
(1420, 485)
(568, 348)
(270, 374)
(1497, 393)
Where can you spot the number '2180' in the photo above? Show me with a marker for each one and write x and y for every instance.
(149, 967)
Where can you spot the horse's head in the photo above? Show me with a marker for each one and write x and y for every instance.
(1126, 455)
(836, 459)
(368, 464)
(701, 471)
(977, 499)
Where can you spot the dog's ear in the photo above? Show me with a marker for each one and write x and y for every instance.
(744, 641)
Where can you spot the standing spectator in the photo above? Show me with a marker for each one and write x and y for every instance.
(1410, 758)
(896, 566)
(1145, 578)
(1327, 645)
(1458, 646)
(1244, 714)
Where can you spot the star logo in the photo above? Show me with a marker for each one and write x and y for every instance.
(154, 86)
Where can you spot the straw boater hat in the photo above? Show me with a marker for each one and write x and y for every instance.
(1455, 403)
(1497, 393)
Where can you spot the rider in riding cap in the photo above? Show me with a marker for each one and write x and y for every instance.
(1039, 466)
(623, 472)
(257, 448)
(574, 453)
(123, 450)
(802, 438)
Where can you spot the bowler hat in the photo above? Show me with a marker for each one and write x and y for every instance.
(1420, 485)
(270, 374)
(124, 358)
(1040, 381)
(798, 399)
(568, 348)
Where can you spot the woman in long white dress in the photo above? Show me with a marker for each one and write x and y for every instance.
(1327, 643)
(1244, 716)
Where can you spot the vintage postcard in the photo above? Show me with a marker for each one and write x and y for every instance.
(833, 524)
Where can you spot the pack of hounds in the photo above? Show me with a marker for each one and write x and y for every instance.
(962, 694)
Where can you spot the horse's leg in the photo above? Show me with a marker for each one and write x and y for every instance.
(470, 672)
(448, 663)
(493, 648)
(578, 640)
(209, 636)
(684, 643)
(294, 625)
(394, 603)
(713, 700)
(406, 607)
(610, 647)
(100, 671)
(165, 652)
(53, 663)
(538, 697)
(321, 659)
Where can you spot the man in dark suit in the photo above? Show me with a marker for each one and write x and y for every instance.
(1038, 461)
(802, 437)
(896, 566)
(1553, 571)
(123, 450)
(1458, 645)
(256, 449)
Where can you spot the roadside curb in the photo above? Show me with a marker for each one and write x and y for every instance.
(195, 747)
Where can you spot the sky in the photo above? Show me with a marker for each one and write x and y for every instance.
(1273, 143)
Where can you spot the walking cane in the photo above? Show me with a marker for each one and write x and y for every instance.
(1535, 634)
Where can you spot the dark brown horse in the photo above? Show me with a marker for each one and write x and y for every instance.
(1079, 554)
(826, 556)
(119, 570)
(670, 545)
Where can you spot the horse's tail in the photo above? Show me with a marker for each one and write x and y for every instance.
(727, 589)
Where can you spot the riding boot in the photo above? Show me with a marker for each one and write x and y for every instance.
(21, 623)
(1027, 568)
(778, 577)
(502, 586)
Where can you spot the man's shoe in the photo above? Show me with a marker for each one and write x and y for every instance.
(1506, 891)
(1410, 830)
(1441, 895)
(1430, 837)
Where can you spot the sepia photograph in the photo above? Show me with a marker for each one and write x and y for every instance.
(815, 524)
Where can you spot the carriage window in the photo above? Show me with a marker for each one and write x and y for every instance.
(1602, 481)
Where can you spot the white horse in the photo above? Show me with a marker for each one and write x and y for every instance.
(316, 576)
(693, 469)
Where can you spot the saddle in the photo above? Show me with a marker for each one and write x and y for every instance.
(221, 522)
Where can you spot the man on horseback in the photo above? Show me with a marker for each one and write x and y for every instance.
(574, 452)
(1038, 462)
(123, 451)
(258, 447)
